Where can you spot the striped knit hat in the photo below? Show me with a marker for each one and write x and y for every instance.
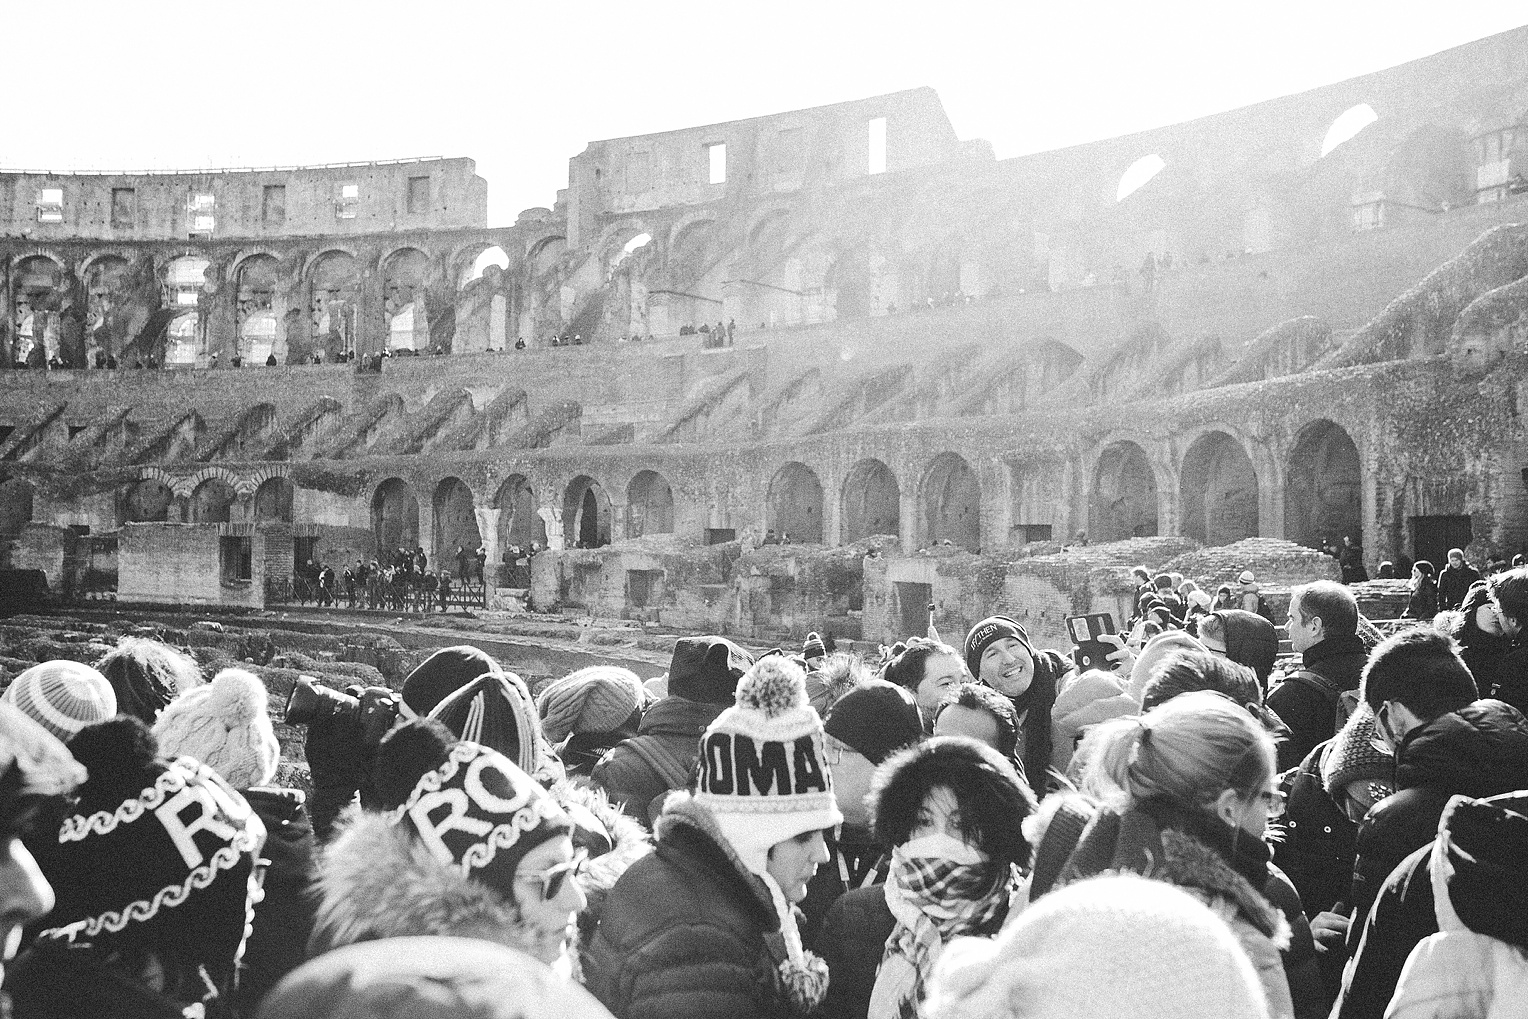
(598, 698)
(63, 697)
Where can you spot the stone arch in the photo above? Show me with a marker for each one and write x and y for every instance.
(1430, 170)
(613, 244)
(1323, 486)
(39, 283)
(404, 310)
(148, 501)
(334, 314)
(688, 233)
(1346, 125)
(273, 499)
(16, 502)
(766, 227)
(394, 517)
(1123, 503)
(1218, 490)
(949, 503)
(871, 502)
(455, 520)
(520, 521)
(212, 501)
(586, 514)
(544, 253)
(649, 505)
(257, 279)
(794, 505)
(1138, 174)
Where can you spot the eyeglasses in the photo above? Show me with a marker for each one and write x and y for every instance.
(554, 878)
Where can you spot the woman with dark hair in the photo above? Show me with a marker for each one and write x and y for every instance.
(1477, 628)
(1000, 655)
(1244, 637)
(930, 670)
(147, 676)
(952, 810)
(1424, 593)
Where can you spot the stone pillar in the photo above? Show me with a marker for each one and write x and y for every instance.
(552, 517)
(488, 527)
(908, 518)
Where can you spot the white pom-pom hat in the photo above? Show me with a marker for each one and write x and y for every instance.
(226, 725)
(763, 771)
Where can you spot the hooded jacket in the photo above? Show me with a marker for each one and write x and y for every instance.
(1251, 640)
(1480, 750)
(688, 932)
(1206, 858)
(284, 918)
(670, 733)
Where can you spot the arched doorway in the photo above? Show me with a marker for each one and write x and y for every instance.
(257, 310)
(455, 521)
(649, 505)
(1218, 490)
(212, 502)
(273, 500)
(795, 504)
(39, 289)
(1322, 495)
(394, 517)
(520, 523)
(951, 503)
(403, 300)
(148, 501)
(184, 279)
(335, 310)
(1124, 499)
(586, 514)
(872, 502)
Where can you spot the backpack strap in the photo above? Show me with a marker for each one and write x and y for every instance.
(1316, 681)
(665, 763)
(1061, 836)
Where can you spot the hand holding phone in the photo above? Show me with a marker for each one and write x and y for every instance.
(1090, 652)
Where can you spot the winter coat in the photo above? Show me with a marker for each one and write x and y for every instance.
(1480, 750)
(1033, 707)
(688, 931)
(1454, 584)
(1308, 704)
(1484, 653)
(1225, 869)
(54, 980)
(670, 732)
(1424, 601)
(284, 918)
(852, 941)
(1317, 849)
(1406, 915)
(1511, 679)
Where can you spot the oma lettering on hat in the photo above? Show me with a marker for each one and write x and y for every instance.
(732, 764)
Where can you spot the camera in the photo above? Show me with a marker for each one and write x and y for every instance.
(373, 708)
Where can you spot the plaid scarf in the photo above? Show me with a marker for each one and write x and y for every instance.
(933, 901)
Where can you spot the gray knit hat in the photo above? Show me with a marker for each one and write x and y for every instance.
(594, 699)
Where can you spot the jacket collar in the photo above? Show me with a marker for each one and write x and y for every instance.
(1331, 647)
(679, 716)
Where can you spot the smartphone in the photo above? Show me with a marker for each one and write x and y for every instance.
(1090, 652)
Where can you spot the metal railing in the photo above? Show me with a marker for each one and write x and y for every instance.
(227, 169)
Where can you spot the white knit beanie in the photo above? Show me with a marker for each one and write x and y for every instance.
(224, 724)
(764, 773)
(1116, 947)
(63, 697)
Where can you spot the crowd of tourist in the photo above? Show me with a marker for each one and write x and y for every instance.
(1198, 825)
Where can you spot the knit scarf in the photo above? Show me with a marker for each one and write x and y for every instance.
(933, 900)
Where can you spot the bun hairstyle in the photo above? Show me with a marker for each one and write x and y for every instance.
(1188, 750)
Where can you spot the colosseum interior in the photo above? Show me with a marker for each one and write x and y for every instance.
(933, 370)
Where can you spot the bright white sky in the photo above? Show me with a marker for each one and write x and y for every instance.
(522, 87)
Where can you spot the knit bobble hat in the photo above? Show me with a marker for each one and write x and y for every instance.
(707, 669)
(63, 697)
(158, 853)
(814, 647)
(764, 774)
(596, 699)
(1118, 947)
(988, 632)
(43, 765)
(225, 725)
(1247, 577)
(875, 719)
(1353, 757)
(496, 710)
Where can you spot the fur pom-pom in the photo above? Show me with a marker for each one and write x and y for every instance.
(237, 697)
(119, 756)
(407, 754)
(773, 686)
(805, 983)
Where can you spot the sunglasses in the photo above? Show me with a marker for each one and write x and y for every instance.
(555, 878)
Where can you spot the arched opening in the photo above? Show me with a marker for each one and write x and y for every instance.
(1322, 494)
(545, 254)
(649, 505)
(212, 501)
(872, 502)
(39, 298)
(455, 522)
(586, 514)
(495, 256)
(148, 501)
(184, 279)
(273, 500)
(1124, 499)
(951, 503)
(520, 523)
(687, 252)
(1218, 490)
(1138, 175)
(1431, 171)
(769, 233)
(107, 283)
(257, 309)
(335, 311)
(395, 517)
(15, 505)
(403, 304)
(795, 504)
(1347, 125)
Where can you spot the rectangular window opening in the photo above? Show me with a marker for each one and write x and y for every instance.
(350, 197)
(50, 205)
(273, 205)
(124, 208)
(203, 213)
(877, 138)
(716, 161)
(235, 556)
(419, 196)
(720, 535)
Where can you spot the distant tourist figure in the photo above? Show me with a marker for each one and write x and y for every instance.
(444, 589)
(1351, 559)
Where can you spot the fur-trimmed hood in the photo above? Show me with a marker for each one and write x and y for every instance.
(1189, 863)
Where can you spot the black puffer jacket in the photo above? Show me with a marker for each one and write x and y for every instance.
(1480, 750)
(284, 918)
(670, 735)
(1308, 704)
(1316, 851)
